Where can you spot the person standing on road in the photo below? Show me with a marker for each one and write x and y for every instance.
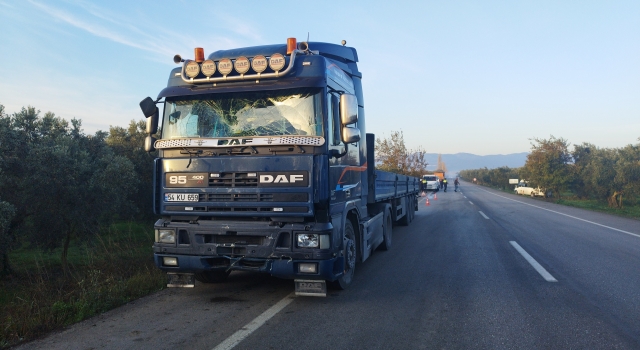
(441, 184)
(457, 183)
(444, 183)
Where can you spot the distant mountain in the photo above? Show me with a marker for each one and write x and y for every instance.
(464, 161)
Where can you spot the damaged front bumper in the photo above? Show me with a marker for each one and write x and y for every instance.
(250, 246)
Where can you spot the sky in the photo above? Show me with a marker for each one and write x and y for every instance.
(483, 77)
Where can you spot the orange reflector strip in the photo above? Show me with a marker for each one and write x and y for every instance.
(291, 45)
(199, 53)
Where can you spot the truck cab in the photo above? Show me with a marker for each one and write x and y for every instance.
(264, 165)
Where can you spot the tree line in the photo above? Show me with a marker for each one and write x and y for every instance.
(58, 184)
(588, 171)
(393, 155)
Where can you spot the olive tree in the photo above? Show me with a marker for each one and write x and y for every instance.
(549, 164)
(64, 184)
(128, 142)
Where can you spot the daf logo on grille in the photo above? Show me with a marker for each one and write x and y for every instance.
(283, 179)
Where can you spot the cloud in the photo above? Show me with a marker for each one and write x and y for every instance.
(103, 24)
(163, 41)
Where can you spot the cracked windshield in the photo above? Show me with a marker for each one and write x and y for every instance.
(264, 113)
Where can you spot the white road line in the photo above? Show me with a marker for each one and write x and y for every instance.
(245, 331)
(481, 213)
(546, 275)
(470, 202)
(573, 217)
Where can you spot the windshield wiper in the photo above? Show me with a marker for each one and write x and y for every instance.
(191, 153)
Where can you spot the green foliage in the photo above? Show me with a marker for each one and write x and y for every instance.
(630, 210)
(128, 143)
(549, 164)
(60, 190)
(7, 212)
(392, 155)
(112, 268)
(63, 183)
(608, 176)
(498, 177)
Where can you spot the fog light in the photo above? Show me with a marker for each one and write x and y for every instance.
(169, 261)
(166, 236)
(308, 268)
(308, 240)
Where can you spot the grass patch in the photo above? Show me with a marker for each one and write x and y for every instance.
(113, 268)
(630, 210)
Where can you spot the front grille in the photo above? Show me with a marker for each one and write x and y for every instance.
(240, 197)
(235, 239)
(258, 209)
(233, 180)
(276, 210)
(254, 197)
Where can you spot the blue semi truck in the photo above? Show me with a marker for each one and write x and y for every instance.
(264, 165)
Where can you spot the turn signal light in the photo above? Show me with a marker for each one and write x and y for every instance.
(291, 45)
(199, 53)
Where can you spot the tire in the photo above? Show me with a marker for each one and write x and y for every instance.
(387, 233)
(350, 255)
(216, 276)
(406, 219)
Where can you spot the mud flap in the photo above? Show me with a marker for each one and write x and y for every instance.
(184, 280)
(311, 288)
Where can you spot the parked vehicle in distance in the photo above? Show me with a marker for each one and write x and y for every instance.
(523, 188)
(432, 183)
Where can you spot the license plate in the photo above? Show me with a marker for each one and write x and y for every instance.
(181, 197)
(311, 288)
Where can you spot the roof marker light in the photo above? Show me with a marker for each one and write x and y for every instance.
(291, 45)
(225, 66)
(259, 63)
(199, 53)
(242, 65)
(208, 68)
(192, 69)
(276, 62)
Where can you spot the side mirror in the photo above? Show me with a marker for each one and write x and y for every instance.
(151, 112)
(350, 135)
(149, 142)
(148, 107)
(152, 123)
(348, 109)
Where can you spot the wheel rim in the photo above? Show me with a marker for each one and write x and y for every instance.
(351, 256)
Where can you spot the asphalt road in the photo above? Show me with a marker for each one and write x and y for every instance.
(456, 278)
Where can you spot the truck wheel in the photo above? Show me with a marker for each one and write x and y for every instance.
(350, 254)
(211, 276)
(387, 233)
(406, 219)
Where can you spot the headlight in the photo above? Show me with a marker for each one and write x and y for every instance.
(308, 240)
(308, 268)
(166, 236)
(169, 261)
